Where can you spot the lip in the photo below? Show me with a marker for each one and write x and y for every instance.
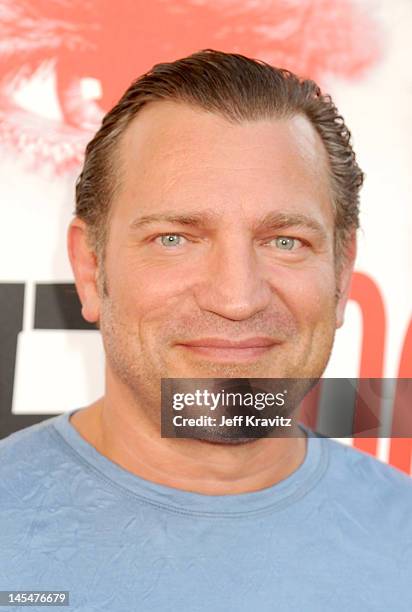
(256, 342)
(222, 349)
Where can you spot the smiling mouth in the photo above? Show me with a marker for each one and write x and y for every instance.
(217, 349)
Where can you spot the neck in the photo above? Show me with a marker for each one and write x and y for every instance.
(123, 433)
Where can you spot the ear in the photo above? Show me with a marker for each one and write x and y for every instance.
(85, 268)
(345, 278)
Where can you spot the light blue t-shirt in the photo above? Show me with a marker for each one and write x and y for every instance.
(335, 535)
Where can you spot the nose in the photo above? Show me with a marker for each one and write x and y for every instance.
(233, 285)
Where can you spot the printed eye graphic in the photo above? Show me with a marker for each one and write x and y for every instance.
(56, 66)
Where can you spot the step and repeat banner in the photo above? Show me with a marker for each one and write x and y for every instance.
(63, 65)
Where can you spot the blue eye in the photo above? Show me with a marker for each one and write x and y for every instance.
(285, 243)
(171, 240)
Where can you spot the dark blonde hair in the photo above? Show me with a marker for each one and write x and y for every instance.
(239, 89)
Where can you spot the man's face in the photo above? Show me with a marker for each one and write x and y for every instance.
(219, 233)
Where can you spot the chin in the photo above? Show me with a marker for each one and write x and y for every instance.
(210, 369)
(228, 441)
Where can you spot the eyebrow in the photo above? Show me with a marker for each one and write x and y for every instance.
(193, 219)
(280, 220)
(271, 221)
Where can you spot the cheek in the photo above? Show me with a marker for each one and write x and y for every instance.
(308, 293)
(150, 292)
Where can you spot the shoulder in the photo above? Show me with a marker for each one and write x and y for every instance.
(27, 459)
(349, 462)
(369, 489)
(28, 439)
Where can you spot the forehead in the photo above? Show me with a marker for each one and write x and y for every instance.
(175, 155)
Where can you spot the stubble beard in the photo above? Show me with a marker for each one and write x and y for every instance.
(140, 376)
